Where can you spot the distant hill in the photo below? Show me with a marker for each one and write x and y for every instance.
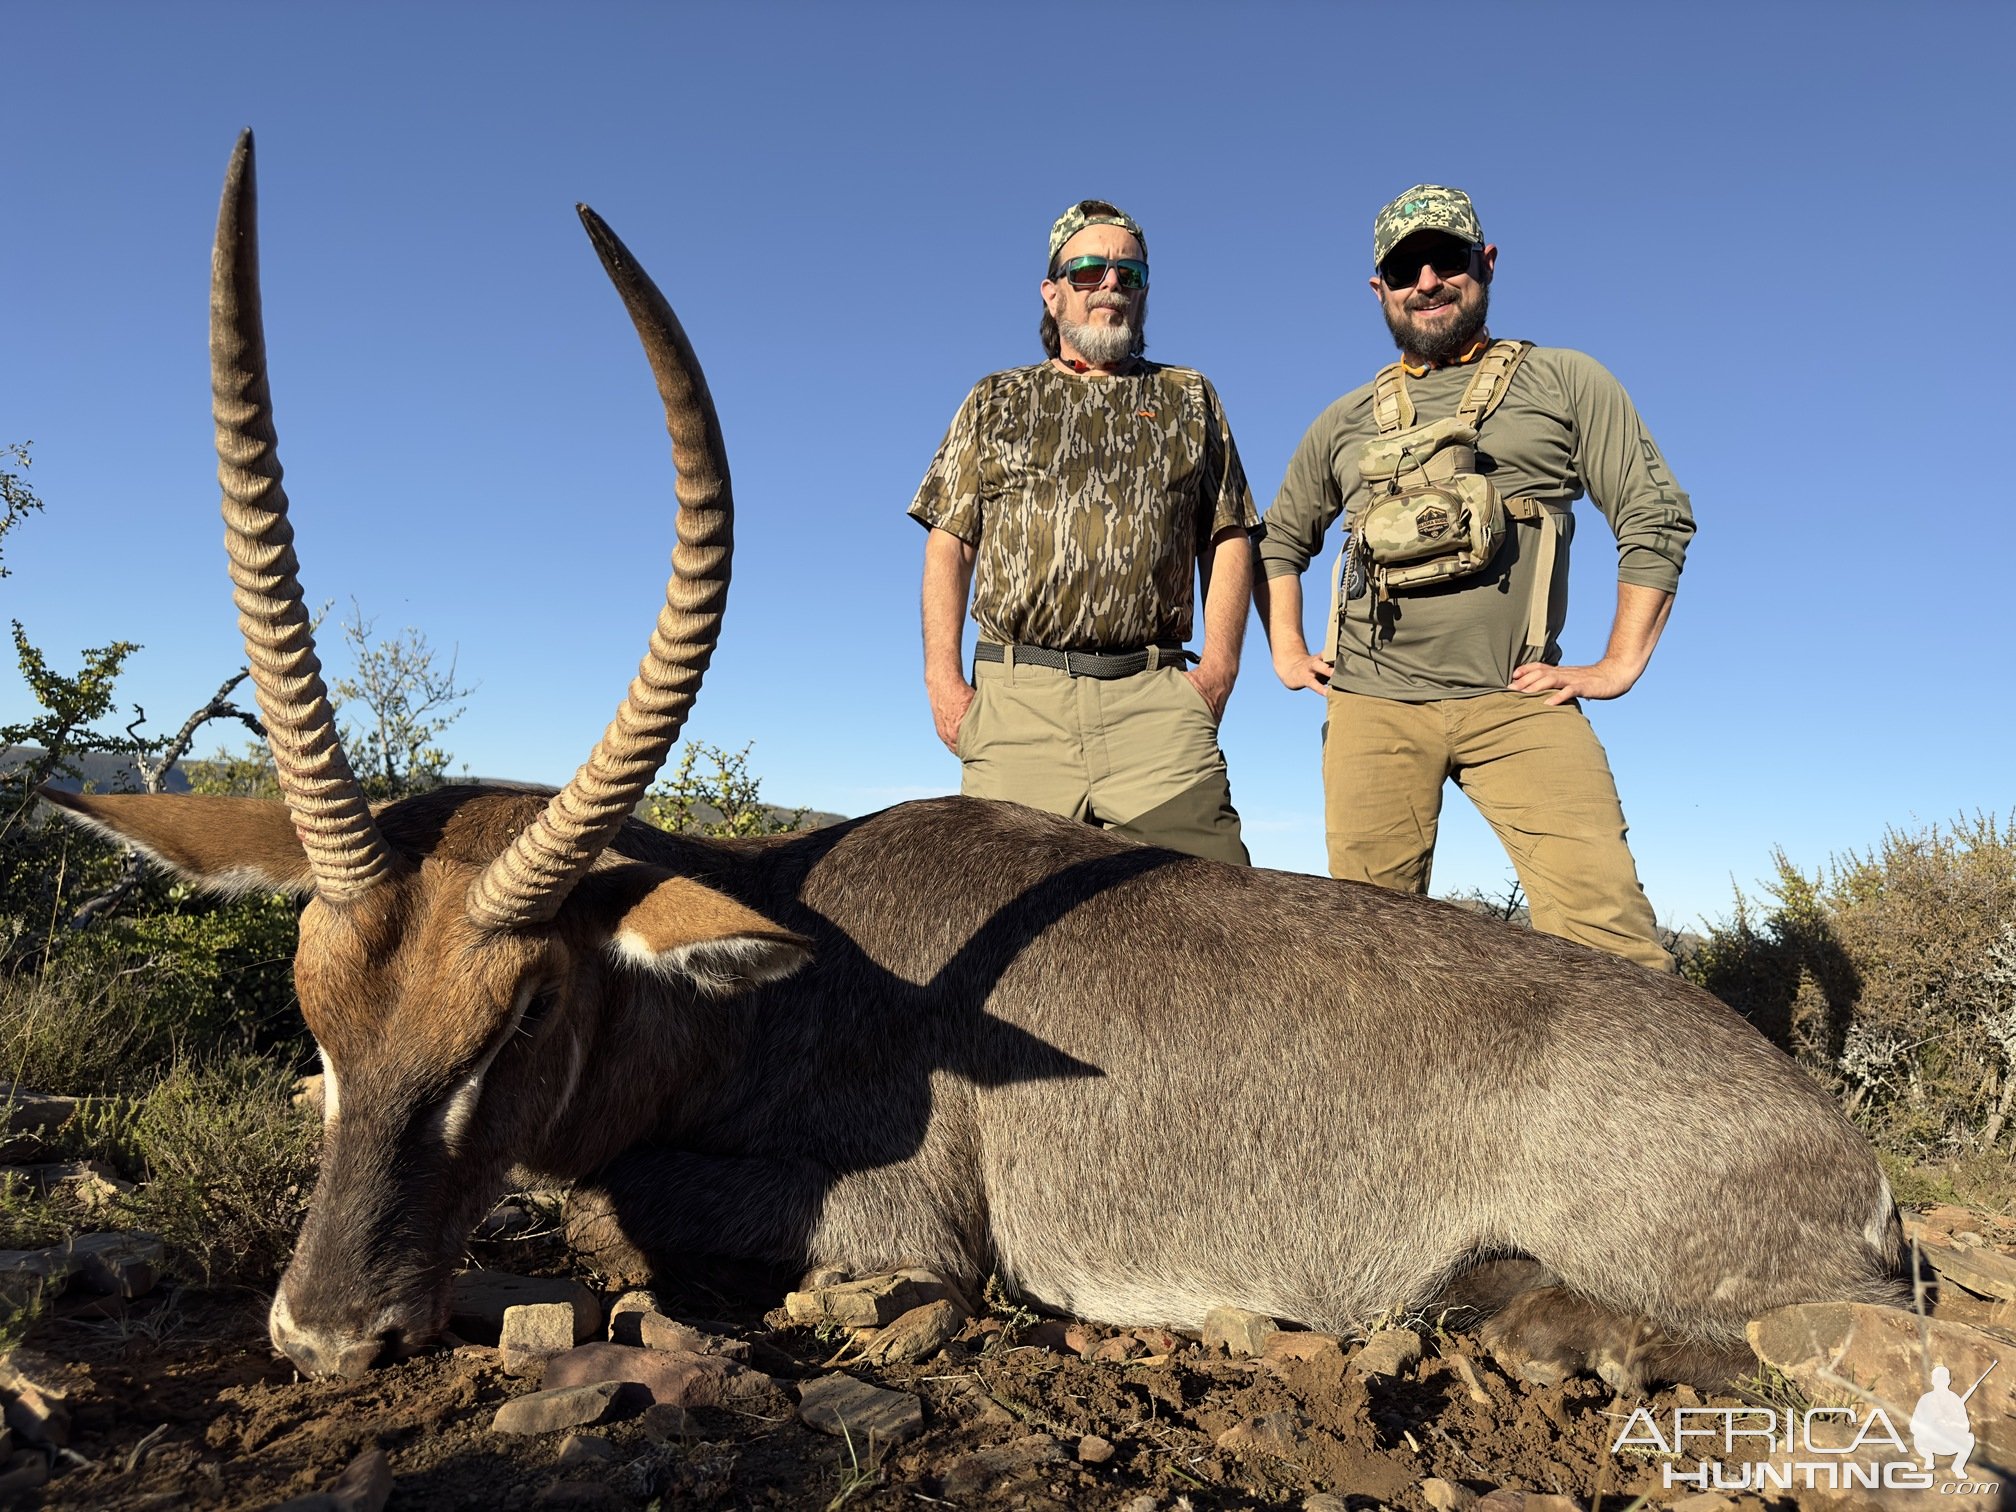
(109, 773)
(105, 772)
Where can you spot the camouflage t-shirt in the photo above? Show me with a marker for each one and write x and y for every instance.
(1566, 427)
(1087, 499)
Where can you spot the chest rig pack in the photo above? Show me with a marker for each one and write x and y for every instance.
(1429, 516)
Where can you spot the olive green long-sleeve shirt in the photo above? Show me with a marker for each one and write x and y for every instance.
(1565, 427)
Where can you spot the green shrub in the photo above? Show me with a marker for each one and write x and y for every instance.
(1892, 976)
(228, 1164)
(713, 792)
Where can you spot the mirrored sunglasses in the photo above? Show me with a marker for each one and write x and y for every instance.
(1090, 272)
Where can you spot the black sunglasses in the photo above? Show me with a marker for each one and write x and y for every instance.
(1090, 272)
(1402, 268)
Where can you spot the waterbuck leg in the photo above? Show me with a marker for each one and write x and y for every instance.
(1546, 1335)
(656, 1209)
(1485, 1288)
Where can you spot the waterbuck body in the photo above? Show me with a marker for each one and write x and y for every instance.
(968, 1036)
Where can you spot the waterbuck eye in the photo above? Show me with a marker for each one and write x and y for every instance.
(540, 1004)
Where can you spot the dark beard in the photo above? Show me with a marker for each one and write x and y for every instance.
(1449, 342)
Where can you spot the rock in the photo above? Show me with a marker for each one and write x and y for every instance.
(578, 1449)
(986, 1473)
(1985, 1272)
(38, 1390)
(1282, 1347)
(28, 1276)
(625, 1311)
(1504, 1499)
(656, 1331)
(1094, 1450)
(119, 1265)
(669, 1376)
(917, 1335)
(1239, 1331)
(843, 1406)
(1082, 1338)
(562, 1407)
(1837, 1350)
(478, 1298)
(1447, 1496)
(364, 1486)
(93, 1182)
(1119, 1348)
(1161, 1341)
(532, 1333)
(1472, 1379)
(869, 1303)
(1702, 1501)
(1389, 1352)
(1047, 1333)
(668, 1422)
(1323, 1501)
(25, 1112)
(1147, 1501)
(822, 1276)
(1277, 1433)
(24, 1477)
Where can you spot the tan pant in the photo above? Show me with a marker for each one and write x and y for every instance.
(1134, 754)
(1536, 772)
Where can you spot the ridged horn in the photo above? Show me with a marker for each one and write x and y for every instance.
(528, 883)
(334, 821)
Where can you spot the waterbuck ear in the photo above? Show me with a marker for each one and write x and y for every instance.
(226, 845)
(676, 927)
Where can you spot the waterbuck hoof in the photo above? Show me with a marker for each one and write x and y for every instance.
(595, 1234)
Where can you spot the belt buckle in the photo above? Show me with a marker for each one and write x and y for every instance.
(1069, 671)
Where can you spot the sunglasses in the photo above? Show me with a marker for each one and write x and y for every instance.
(1402, 270)
(1090, 272)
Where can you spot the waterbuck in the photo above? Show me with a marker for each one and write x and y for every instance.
(965, 1035)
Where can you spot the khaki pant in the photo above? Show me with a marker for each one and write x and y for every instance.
(1134, 754)
(1536, 772)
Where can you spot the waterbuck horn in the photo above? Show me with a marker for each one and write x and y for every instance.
(343, 844)
(528, 883)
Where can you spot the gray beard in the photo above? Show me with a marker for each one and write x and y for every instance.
(1102, 345)
(1451, 341)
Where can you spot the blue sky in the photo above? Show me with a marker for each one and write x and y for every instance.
(1784, 226)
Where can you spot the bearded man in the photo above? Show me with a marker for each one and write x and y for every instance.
(1454, 472)
(1075, 499)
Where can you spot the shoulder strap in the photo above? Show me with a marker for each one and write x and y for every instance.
(1392, 408)
(1487, 386)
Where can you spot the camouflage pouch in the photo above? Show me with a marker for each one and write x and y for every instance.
(1432, 515)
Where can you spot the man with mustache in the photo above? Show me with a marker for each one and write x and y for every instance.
(1454, 473)
(1075, 499)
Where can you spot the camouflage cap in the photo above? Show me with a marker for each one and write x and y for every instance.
(1092, 213)
(1425, 207)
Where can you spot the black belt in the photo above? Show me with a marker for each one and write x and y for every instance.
(1102, 664)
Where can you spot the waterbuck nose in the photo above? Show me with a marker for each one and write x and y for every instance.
(323, 1352)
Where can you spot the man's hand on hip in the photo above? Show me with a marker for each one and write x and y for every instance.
(1303, 669)
(1603, 679)
(949, 702)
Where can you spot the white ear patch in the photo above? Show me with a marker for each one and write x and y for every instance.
(718, 967)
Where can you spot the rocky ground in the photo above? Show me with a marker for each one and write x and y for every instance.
(891, 1394)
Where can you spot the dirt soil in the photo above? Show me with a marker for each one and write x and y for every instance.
(187, 1407)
